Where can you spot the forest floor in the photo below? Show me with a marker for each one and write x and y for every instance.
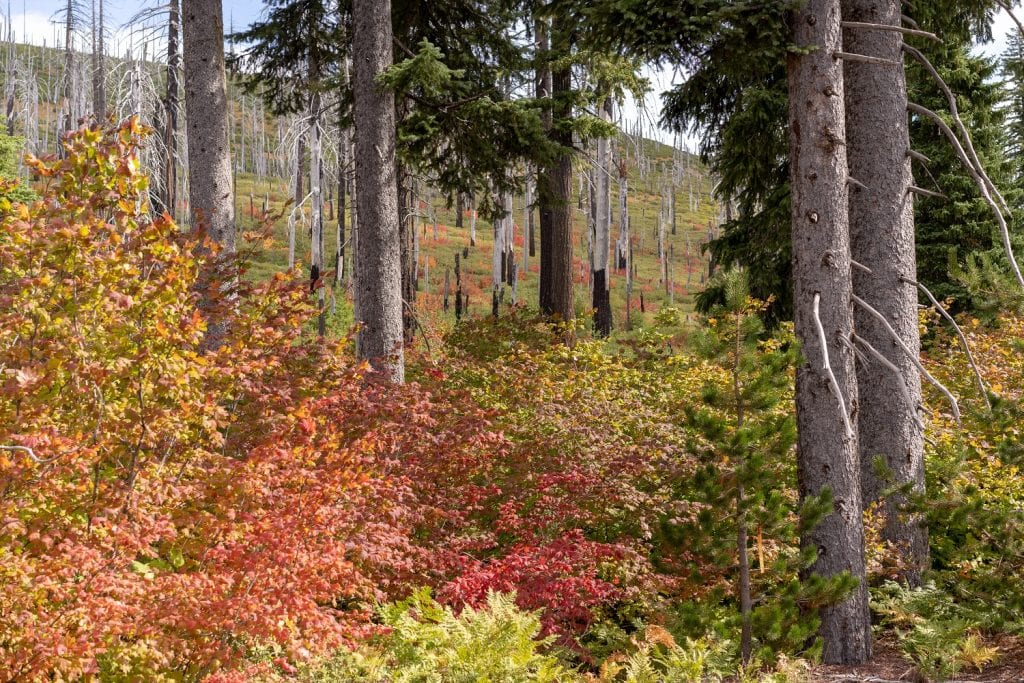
(890, 666)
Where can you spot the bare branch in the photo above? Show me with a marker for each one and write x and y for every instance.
(890, 27)
(867, 59)
(30, 453)
(900, 381)
(910, 354)
(856, 183)
(856, 351)
(909, 22)
(960, 334)
(827, 367)
(961, 128)
(1009, 12)
(927, 193)
(977, 174)
(861, 266)
(917, 156)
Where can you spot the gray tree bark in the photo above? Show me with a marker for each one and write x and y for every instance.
(209, 154)
(170, 122)
(554, 187)
(826, 400)
(99, 72)
(70, 113)
(378, 287)
(882, 238)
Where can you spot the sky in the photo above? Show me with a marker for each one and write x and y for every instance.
(36, 19)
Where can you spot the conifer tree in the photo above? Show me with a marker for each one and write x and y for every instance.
(959, 223)
(749, 433)
(1012, 71)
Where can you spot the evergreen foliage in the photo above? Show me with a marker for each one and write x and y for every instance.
(11, 148)
(960, 224)
(744, 435)
(1012, 71)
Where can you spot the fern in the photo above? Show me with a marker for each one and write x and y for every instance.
(428, 643)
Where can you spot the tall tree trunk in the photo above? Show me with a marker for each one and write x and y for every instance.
(316, 261)
(407, 211)
(339, 250)
(472, 221)
(622, 243)
(554, 188)
(498, 266)
(826, 399)
(543, 90)
(99, 93)
(378, 289)
(295, 213)
(882, 238)
(170, 127)
(602, 230)
(70, 71)
(209, 154)
(528, 226)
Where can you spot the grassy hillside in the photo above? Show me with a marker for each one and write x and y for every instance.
(440, 240)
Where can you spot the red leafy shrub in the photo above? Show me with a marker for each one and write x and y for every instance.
(563, 577)
(165, 507)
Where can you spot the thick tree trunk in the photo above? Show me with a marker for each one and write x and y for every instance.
(826, 399)
(378, 289)
(339, 251)
(882, 238)
(209, 154)
(554, 188)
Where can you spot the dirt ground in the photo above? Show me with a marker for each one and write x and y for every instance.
(889, 666)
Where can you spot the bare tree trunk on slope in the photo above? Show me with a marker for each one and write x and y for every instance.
(209, 156)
